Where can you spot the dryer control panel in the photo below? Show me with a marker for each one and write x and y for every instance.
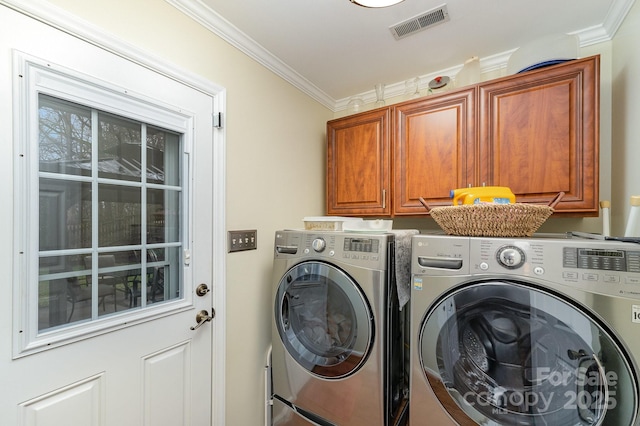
(601, 259)
(606, 267)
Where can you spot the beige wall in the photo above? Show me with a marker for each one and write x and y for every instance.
(625, 150)
(274, 177)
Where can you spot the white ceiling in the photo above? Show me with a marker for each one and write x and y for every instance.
(333, 49)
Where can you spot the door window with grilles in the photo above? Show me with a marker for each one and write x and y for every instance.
(108, 214)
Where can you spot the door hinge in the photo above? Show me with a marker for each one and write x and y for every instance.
(217, 120)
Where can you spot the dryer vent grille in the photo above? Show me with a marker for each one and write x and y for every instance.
(421, 22)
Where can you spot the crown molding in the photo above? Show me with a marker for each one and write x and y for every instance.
(211, 20)
(227, 31)
(618, 11)
(224, 29)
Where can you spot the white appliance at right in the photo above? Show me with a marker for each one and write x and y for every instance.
(524, 331)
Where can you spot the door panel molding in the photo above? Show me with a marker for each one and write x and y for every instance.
(78, 403)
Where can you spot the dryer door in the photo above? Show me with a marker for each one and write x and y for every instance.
(323, 319)
(513, 354)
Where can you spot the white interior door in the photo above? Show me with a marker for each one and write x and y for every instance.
(107, 234)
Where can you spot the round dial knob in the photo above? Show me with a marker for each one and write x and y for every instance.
(510, 257)
(318, 244)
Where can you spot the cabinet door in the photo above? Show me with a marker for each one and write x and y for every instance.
(539, 135)
(358, 164)
(434, 148)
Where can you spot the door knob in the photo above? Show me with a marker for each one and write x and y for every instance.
(202, 290)
(202, 317)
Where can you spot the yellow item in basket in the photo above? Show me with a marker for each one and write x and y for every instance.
(483, 194)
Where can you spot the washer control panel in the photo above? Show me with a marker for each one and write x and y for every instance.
(365, 250)
(363, 245)
(350, 244)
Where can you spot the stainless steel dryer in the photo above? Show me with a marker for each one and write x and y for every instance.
(337, 332)
(538, 331)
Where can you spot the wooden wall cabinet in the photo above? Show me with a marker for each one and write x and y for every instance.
(359, 164)
(434, 150)
(539, 135)
(535, 132)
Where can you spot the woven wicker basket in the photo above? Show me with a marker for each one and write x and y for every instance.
(491, 220)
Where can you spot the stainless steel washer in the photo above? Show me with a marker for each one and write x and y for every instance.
(537, 331)
(337, 331)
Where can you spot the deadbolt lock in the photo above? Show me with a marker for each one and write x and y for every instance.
(202, 290)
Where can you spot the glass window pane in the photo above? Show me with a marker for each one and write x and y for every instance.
(65, 214)
(119, 213)
(158, 269)
(171, 276)
(162, 279)
(66, 285)
(64, 137)
(163, 208)
(63, 282)
(163, 157)
(118, 274)
(54, 308)
(119, 153)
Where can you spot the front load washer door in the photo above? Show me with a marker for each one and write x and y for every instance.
(508, 353)
(323, 319)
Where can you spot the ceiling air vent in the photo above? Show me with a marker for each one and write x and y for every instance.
(421, 22)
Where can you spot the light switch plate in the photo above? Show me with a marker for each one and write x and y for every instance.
(242, 240)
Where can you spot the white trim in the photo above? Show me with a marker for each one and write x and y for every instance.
(618, 11)
(217, 24)
(219, 263)
(44, 12)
